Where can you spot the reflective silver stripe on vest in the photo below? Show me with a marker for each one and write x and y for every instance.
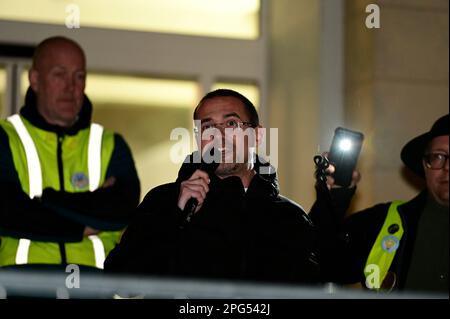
(95, 169)
(34, 165)
(99, 251)
(95, 156)
(22, 251)
(35, 180)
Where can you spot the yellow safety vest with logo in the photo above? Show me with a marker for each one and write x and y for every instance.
(85, 158)
(384, 249)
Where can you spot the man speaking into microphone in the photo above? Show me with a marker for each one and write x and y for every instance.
(224, 217)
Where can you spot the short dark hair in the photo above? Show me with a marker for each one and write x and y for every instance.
(252, 113)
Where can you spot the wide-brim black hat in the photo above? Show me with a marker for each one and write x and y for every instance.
(412, 153)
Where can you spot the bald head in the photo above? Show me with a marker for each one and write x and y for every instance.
(58, 76)
(45, 49)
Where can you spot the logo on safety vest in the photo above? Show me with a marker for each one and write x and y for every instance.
(79, 180)
(390, 244)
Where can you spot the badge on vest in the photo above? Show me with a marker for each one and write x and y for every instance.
(79, 180)
(390, 244)
(393, 228)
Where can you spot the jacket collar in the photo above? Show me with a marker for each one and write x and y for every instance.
(265, 181)
(30, 112)
(414, 207)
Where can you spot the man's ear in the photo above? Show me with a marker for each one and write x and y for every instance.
(33, 77)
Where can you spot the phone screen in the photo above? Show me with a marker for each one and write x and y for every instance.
(344, 153)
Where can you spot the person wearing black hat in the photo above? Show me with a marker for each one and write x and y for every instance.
(427, 156)
(396, 245)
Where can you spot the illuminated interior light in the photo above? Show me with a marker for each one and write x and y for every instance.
(2, 79)
(130, 90)
(218, 18)
(2, 89)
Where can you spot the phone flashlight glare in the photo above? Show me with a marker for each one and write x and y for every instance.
(345, 144)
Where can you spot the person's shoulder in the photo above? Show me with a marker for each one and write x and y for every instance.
(120, 144)
(376, 209)
(5, 125)
(4, 140)
(118, 138)
(160, 193)
(117, 135)
(109, 133)
(373, 215)
(160, 202)
(291, 209)
(289, 203)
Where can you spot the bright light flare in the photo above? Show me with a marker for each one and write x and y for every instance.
(345, 144)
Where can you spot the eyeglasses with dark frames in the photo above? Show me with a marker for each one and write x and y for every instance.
(231, 123)
(435, 160)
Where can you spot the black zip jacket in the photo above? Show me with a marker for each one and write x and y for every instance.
(256, 235)
(58, 215)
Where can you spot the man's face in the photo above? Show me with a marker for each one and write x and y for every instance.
(437, 179)
(58, 79)
(233, 144)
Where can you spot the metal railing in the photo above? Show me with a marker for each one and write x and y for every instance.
(62, 285)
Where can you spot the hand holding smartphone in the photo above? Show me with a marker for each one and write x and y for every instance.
(344, 153)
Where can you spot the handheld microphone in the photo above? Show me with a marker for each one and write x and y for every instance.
(192, 203)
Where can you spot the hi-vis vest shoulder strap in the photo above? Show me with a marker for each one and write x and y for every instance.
(34, 165)
(95, 156)
(35, 179)
(384, 249)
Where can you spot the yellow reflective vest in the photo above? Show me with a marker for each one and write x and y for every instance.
(384, 249)
(85, 157)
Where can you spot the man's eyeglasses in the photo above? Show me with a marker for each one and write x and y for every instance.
(232, 123)
(435, 160)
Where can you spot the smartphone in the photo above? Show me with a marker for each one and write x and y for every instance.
(344, 153)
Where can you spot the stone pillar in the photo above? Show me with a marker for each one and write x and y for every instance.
(396, 87)
(293, 100)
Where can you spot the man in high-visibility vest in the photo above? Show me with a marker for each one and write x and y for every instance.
(402, 246)
(67, 186)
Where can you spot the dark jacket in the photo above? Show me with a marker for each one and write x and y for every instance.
(345, 243)
(58, 215)
(256, 235)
